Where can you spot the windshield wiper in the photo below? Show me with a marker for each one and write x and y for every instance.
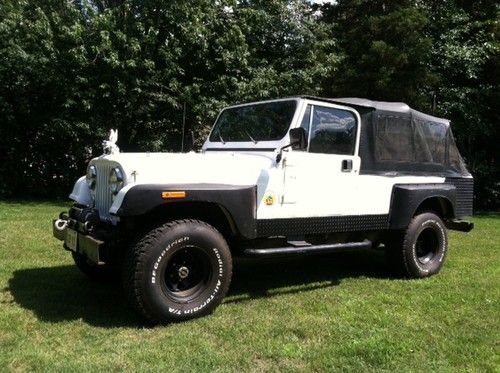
(251, 138)
(220, 136)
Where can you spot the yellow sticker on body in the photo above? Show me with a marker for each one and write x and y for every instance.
(269, 198)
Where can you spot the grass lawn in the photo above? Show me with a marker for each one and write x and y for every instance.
(335, 312)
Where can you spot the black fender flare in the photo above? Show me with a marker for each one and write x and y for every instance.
(239, 202)
(406, 198)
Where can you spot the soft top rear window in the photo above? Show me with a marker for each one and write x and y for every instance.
(267, 121)
(408, 142)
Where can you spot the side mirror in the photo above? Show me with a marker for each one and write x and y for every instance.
(298, 138)
(298, 141)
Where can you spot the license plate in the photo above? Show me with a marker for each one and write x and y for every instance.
(71, 239)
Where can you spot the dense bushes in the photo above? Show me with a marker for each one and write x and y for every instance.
(71, 70)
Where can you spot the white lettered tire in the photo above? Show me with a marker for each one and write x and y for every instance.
(179, 271)
(421, 250)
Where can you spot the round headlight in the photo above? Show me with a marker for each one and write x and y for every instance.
(116, 180)
(91, 176)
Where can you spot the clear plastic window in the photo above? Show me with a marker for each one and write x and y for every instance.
(400, 139)
(393, 139)
(333, 131)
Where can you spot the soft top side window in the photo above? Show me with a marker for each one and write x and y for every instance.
(333, 131)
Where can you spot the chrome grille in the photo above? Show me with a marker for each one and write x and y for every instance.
(103, 197)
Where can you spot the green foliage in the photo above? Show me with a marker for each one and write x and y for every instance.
(42, 140)
(384, 50)
(71, 70)
(466, 57)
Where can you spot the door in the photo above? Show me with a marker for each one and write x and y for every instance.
(322, 181)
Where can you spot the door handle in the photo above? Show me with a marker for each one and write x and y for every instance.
(346, 165)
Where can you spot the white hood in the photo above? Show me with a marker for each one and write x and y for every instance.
(191, 168)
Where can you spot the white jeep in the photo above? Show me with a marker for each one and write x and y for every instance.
(291, 176)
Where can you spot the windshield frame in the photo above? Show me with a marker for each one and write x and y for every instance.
(261, 145)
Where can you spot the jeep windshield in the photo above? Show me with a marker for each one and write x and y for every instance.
(267, 121)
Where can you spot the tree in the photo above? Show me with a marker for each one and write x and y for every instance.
(384, 50)
(465, 57)
(42, 141)
(70, 71)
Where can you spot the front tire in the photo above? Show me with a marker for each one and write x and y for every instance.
(179, 271)
(421, 250)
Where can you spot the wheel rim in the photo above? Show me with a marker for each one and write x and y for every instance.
(187, 274)
(427, 245)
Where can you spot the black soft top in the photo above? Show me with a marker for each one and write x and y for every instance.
(395, 107)
(396, 139)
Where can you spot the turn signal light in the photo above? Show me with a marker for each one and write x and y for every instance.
(173, 195)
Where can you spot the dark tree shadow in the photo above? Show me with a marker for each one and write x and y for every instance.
(62, 293)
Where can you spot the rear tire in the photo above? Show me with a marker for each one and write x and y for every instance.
(421, 250)
(179, 271)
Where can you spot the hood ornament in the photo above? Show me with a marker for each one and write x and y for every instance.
(109, 146)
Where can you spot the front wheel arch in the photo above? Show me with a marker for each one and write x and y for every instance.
(211, 213)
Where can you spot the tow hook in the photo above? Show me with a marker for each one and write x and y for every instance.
(61, 224)
(88, 226)
(59, 228)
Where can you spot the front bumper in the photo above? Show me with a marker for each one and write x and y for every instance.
(81, 234)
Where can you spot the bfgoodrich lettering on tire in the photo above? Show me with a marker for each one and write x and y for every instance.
(421, 250)
(178, 271)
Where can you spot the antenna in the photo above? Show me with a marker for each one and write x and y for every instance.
(183, 127)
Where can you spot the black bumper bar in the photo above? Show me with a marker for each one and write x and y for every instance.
(459, 225)
(83, 236)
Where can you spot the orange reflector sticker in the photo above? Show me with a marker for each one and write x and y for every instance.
(173, 195)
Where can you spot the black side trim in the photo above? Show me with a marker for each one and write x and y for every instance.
(238, 201)
(314, 249)
(319, 225)
(465, 195)
(240, 149)
(406, 198)
(415, 172)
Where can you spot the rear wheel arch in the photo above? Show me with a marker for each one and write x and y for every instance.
(440, 205)
(409, 200)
